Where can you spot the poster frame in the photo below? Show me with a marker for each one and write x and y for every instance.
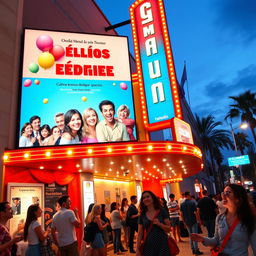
(27, 185)
(19, 81)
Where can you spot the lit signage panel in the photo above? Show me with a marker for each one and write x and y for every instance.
(238, 160)
(182, 131)
(72, 73)
(88, 195)
(155, 67)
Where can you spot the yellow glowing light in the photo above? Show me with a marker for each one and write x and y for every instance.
(70, 152)
(129, 148)
(89, 150)
(26, 155)
(5, 157)
(48, 153)
(41, 167)
(59, 167)
(109, 150)
(150, 147)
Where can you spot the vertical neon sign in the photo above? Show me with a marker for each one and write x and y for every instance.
(155, 68)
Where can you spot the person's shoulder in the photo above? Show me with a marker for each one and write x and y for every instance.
(35, 224)
(220, 217)
(128, 121)
(66, 136)
(101, 123)
(120, 124)
(22, 138)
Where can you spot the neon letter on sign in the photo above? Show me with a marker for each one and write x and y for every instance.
(155, 67)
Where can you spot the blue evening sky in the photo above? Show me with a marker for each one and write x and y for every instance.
(216, 38)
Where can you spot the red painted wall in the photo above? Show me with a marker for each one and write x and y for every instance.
(154, 186)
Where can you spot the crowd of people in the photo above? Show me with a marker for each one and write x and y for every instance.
(230, 231)
(75, 128)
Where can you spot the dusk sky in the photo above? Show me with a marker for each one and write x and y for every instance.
(216, 38)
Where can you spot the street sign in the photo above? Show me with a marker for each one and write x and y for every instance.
(238, 160)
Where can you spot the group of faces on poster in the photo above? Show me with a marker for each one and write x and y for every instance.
(75, 128)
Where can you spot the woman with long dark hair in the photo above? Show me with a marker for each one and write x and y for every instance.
(238, 211)
(104, 220)
(154, 220)
(33, 232)
(73, 128)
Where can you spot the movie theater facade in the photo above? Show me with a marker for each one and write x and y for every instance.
(140, 141)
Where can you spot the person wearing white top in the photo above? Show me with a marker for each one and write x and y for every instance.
(33, 232)
(64, 223)
(26, 139)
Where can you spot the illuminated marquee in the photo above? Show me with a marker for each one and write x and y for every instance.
(155, 67)
(181, 131)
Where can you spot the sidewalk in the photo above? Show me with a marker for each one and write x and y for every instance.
(184, 249)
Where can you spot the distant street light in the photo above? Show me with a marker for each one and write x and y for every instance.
(242, 126)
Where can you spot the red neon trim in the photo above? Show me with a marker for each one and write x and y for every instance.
(170, 64)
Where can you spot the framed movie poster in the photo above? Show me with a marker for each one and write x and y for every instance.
(53, 192)
(21, 196)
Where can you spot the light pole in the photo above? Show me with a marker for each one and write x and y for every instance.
(243, 126)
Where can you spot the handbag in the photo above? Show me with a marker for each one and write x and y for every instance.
(142, 245)
(218, 249)
(173, 247)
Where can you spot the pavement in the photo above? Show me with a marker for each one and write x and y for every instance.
(184, 248)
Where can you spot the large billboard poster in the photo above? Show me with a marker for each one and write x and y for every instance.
(75, 88)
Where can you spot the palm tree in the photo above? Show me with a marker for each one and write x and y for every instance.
(242, 141)
(213, 139)
(244, 107)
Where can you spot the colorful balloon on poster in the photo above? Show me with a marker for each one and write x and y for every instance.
(37, 82)
(44, 43)
(27, 83)
(57, 51)
(123, 86)
(33, 67)
(84, 99)
(45, 101)
(46, 60)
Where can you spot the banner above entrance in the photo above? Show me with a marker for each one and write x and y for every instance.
(155, 66)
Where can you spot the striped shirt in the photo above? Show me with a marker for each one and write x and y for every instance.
(173, 204)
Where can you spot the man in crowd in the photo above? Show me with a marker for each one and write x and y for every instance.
(191, 219)
(182, 199)
(132, 221)
(174, 208)
(208, 211)
(110, 129)
(6, 241)
(60, 122)
(64, 223)
(35, 122)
